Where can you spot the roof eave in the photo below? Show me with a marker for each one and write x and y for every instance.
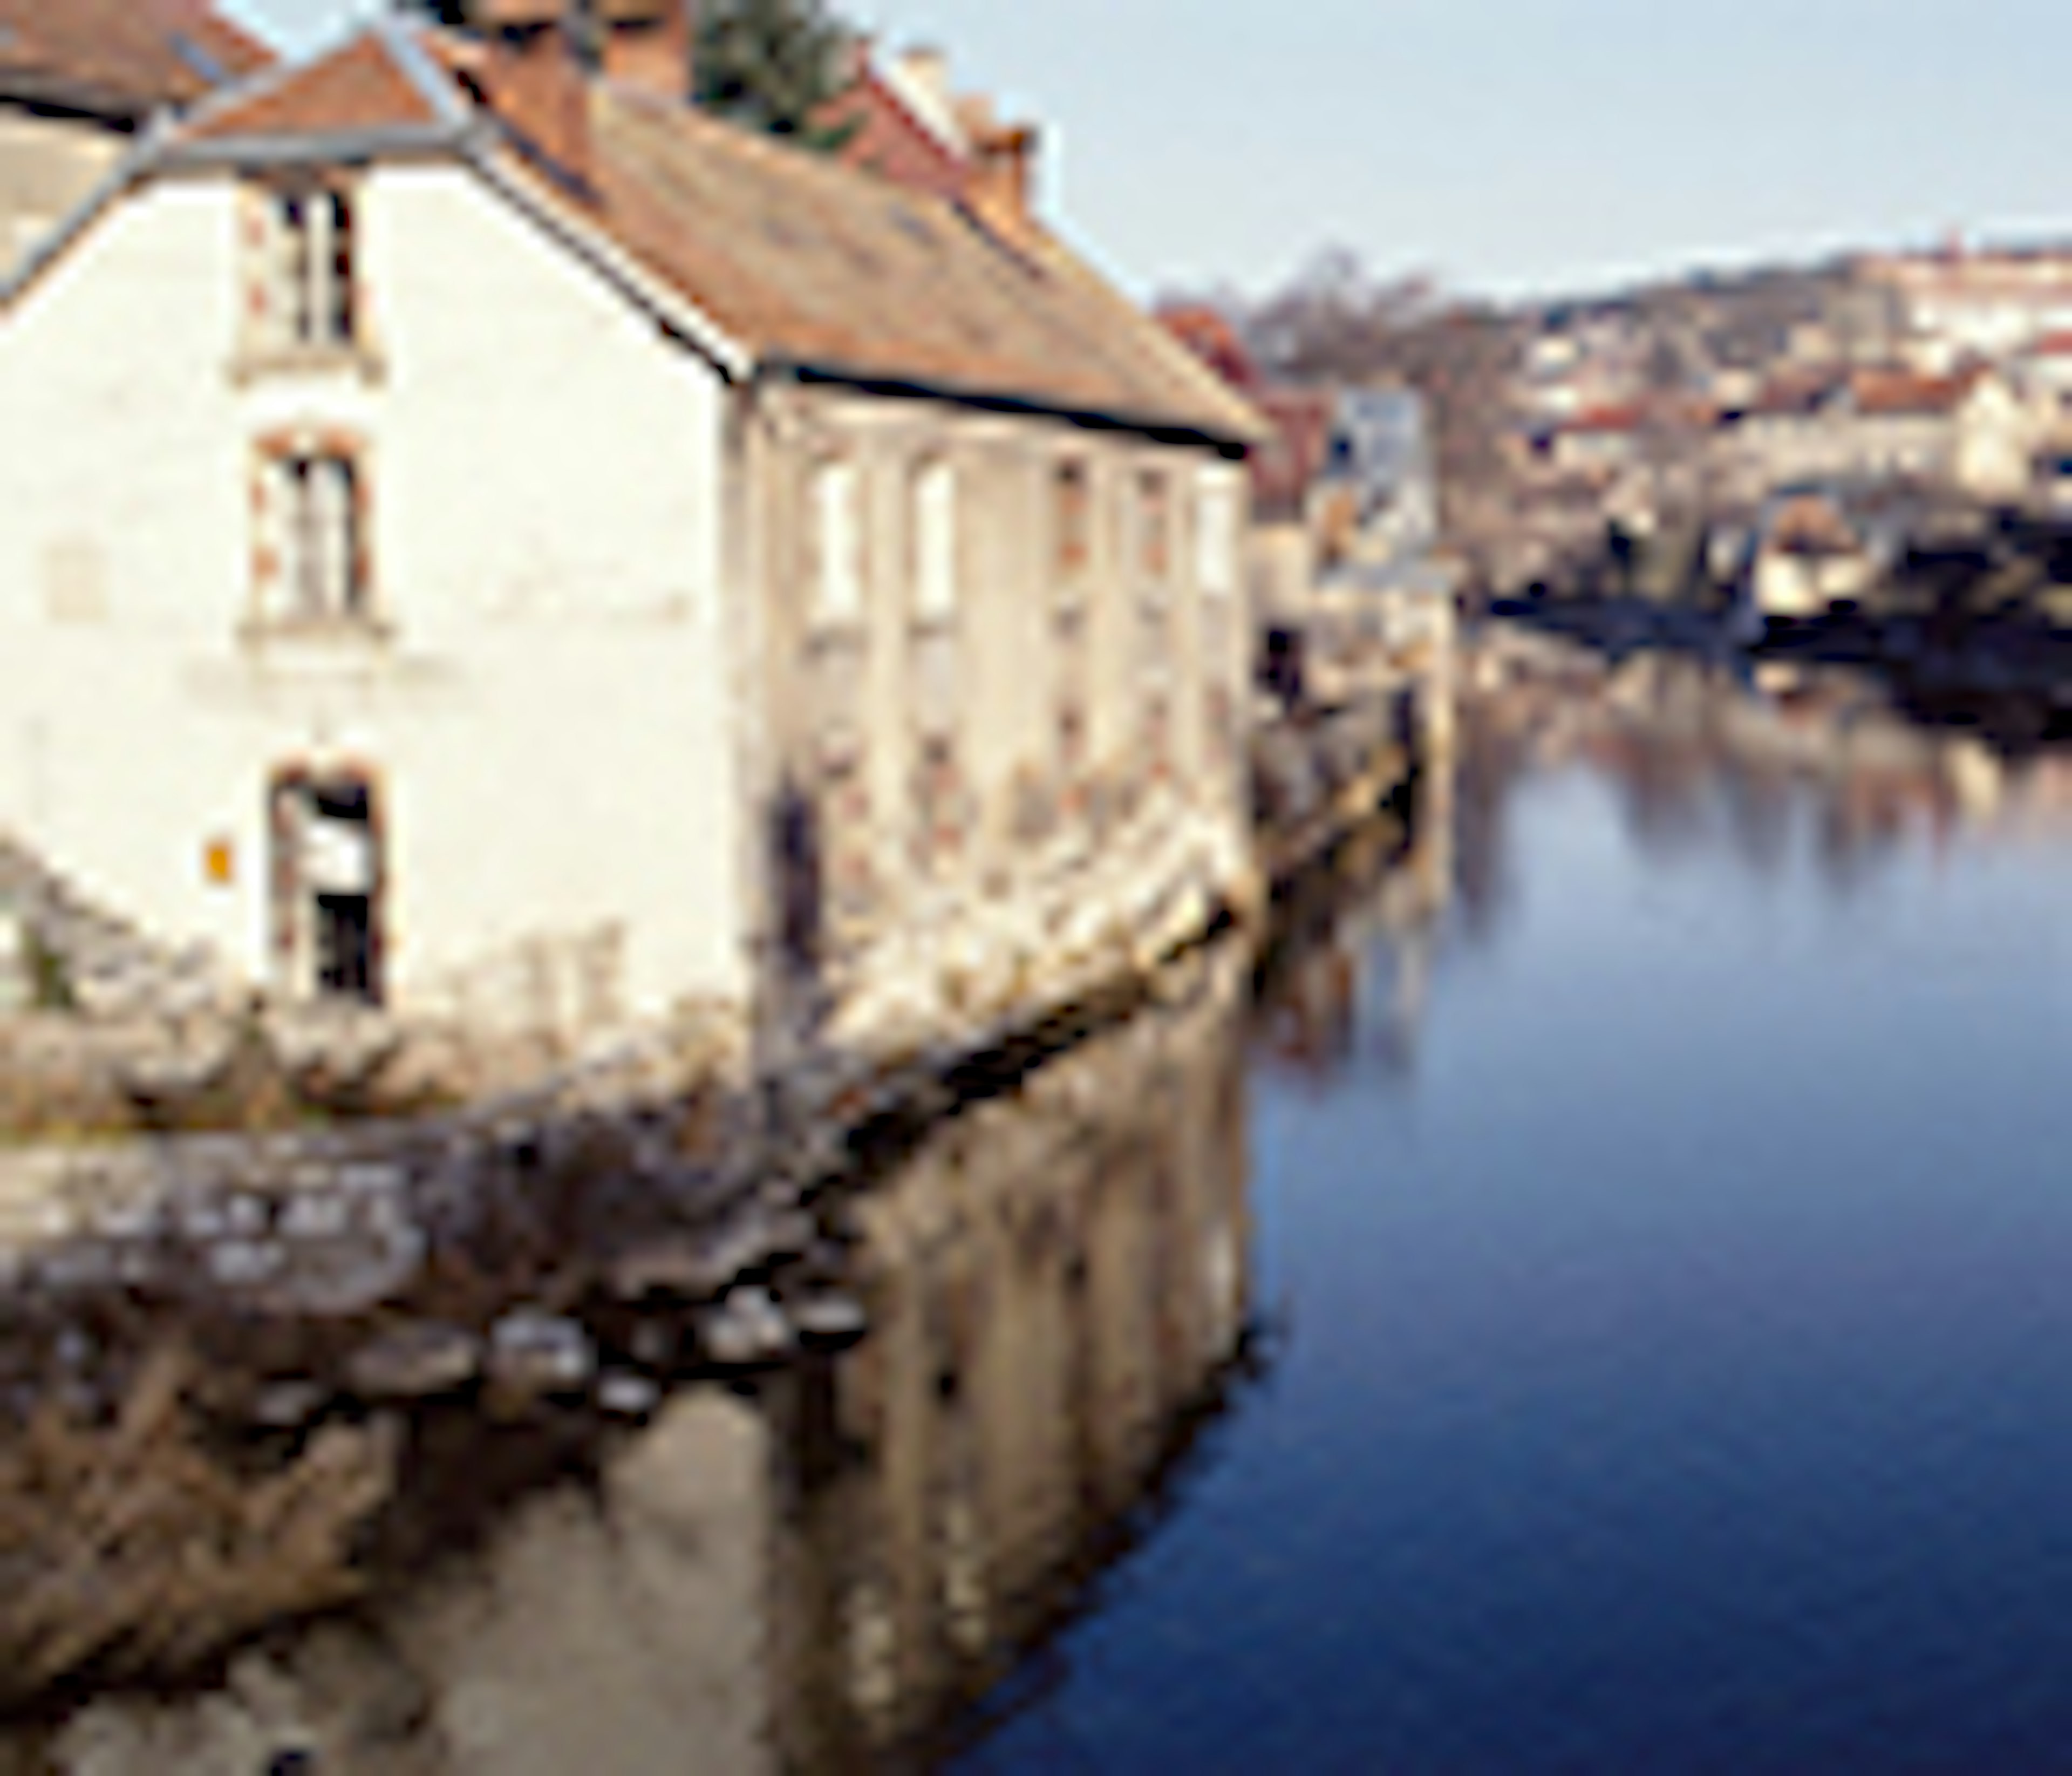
(317, 148)
(102, 101)
(1169, 428)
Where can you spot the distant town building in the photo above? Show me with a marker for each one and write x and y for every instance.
(1961, 301)
(1969, 431)
(1344, 505)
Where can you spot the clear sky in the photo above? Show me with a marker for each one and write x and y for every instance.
(1508, 145)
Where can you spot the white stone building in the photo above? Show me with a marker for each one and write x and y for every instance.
(505, 545)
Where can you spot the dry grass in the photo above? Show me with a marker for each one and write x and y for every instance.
(130, 1550)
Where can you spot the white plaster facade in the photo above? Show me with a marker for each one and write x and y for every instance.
(543, 702)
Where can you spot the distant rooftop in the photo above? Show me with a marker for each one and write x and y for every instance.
(120, 59)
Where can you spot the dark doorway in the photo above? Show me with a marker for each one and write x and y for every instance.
(327, 887)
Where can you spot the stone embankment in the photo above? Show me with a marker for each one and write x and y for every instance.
(104, 1031)
(656, 1210)
(664, 1207)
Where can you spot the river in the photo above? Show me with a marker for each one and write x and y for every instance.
(1593, 1297)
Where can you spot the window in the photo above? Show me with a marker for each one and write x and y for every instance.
(934, 520)
(1216, 534)
(1071, 502)
(305, 289)
(1154, 523)
(312, 559)
(837, 543)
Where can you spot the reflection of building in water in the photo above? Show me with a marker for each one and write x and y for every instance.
(1059, 1282)
(1360, 933)
(1059, 1287)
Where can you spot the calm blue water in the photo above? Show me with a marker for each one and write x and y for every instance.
(1676, 1372)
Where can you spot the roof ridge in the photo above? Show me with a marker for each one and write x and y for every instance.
(259, 84)
(406, 46)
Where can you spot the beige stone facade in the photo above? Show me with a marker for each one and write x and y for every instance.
(991, 695)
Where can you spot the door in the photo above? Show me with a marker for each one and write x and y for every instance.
(327, 886)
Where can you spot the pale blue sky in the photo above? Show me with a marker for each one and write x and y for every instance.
(1508, 145)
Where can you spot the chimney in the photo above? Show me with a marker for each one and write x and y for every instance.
(650, 44)
(921, 77)
(1003, 174)
(534, 79)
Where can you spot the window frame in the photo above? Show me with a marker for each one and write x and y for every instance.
(1152, 507)
(304, 297)
(934, 559)
(837, 602)
(1072, 527)
(313, 571)
(1219, 525)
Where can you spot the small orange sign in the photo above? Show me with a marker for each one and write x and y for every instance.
(220, 862)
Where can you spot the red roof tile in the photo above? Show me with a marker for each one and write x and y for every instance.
(358, 88)
(805, 260)
(1896, 391)
(1288, 460)
(1608, 421)
(120, 58)
(886, 138)
(1211, 338)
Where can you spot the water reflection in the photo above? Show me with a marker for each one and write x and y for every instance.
(820, 1574)
(1346, 976)
(874, 1561)
(1705, 762)
(1058, 1286)
(1677, 1384)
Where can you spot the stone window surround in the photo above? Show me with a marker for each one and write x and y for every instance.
(1219, 519)
(266, 619)
(1154, 524)
(1073, 504)
(930, 607)
(835, 608)
(263, 347)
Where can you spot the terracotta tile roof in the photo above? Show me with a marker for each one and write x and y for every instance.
(228, 44)
(1288, 460)
(806, 262)
(356, 89)
(1893, 392)
(1605, 421)
(1792, 394)
(120, 58)
(1209, 335)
